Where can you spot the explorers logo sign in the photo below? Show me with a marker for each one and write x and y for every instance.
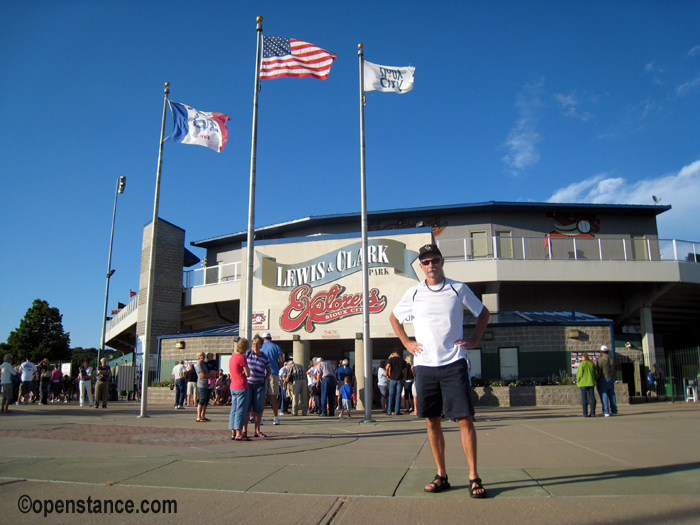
(307, 311)
(314, 297)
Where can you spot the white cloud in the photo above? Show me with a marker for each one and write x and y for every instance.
(569, 104)
(681, 190)
(522, 140)
(687, 87)
(643, 109)
(567, 100)
(695, 51)
(652, 69)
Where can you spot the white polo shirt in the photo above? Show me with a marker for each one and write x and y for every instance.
(437, 314)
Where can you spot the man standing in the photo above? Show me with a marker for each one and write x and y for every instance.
(437, 307)
(300, 390)
(27, 369)
(606, 383)
(396, 371)
(102, 384)
(191, 377)
(325, 376)
(7, 372)
(85, 383)
(179, 371)
(274, 354)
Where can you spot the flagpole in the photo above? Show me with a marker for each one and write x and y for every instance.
(366, 341)
(152, 267)
(248, 315)
(119, 189)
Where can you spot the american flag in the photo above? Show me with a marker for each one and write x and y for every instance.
(287, 57)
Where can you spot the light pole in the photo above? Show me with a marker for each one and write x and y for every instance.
(121, 184)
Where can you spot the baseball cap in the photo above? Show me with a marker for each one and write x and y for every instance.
(267, 335)
(604, 348)
(429, 248)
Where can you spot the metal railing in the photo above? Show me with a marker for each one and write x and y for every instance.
(123, 313)
(221, 273)
(569, 248)
(675, 371)
(518, 248)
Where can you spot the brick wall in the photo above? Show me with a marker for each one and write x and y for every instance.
(542, 350)
(167, 286)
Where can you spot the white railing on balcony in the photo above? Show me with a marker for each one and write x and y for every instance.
(569, 248)
(221, 273)
(519, 248)
(123, 313)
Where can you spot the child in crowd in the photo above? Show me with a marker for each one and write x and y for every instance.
(346, 392)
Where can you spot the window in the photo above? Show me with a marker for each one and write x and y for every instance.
(639, 247)
(508, 359)
(480, 244)
(505, 244)
(474, 356)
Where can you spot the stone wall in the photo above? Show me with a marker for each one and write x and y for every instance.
(161, 396)
(503, 396)
(554, 395)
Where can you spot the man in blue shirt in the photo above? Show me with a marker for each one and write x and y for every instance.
(274, 354)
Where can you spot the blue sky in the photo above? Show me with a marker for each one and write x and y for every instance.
(578, 101)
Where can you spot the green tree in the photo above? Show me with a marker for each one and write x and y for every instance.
(40, 335)
(79, 355)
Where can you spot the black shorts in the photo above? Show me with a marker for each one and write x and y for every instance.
(444, 388)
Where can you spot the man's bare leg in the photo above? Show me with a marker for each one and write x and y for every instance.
(468, 437)
(437, 444)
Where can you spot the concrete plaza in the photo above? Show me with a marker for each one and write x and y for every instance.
(539, 465)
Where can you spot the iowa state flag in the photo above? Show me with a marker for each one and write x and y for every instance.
(203, 128)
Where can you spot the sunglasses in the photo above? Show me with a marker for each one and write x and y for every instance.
(426, 262)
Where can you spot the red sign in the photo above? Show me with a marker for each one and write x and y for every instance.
(325, 307)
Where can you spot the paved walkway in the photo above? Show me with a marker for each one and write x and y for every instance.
(539, 464)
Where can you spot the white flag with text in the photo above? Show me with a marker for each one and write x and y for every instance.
(388, 78)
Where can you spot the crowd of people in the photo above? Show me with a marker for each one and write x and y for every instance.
(27, 383)
(395, 381)
(259, 376)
